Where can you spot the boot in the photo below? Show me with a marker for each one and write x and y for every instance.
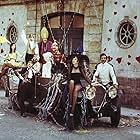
(69, 109)
(70, 123)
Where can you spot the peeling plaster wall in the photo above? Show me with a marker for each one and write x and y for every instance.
(9, 14)
(114, 12)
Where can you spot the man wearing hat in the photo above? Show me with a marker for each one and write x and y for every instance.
(44, 46)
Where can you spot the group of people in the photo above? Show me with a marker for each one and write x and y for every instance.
(47, 54)
(104, 74)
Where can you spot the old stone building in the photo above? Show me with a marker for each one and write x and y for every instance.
(109, 26)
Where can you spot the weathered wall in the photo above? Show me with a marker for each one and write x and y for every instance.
(93, 19)
(131, 92)
(128, 66)
(125, 61)
(16, 14)
(32, 21)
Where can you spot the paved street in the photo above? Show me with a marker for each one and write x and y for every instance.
(15, 127)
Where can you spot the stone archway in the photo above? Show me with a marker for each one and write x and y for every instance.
(67, 28)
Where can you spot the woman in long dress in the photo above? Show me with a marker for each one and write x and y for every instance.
(11, 60)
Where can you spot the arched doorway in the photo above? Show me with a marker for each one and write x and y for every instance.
(67, 28)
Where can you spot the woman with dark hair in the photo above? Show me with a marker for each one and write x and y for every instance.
(75, 74)
(11, 60)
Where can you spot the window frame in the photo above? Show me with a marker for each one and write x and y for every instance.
(12, 32)
(127, 34)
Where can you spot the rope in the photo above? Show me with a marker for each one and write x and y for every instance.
(66, 32)
(44, 4)
(35, 41)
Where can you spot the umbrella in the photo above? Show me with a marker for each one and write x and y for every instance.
(3, 39)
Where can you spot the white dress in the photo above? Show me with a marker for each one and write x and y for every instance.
(46, 68)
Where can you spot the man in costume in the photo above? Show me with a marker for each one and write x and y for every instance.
(43, 47)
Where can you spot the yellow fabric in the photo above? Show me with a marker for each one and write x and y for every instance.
(12, 56)
(3, 39)
(44, 33)
(12, 60)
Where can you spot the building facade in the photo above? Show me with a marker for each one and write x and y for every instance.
(109, 26)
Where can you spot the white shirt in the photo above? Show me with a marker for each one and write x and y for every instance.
(105, 73)
(30, 45)
(34, 69)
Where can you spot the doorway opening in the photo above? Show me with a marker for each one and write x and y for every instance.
(67, 28)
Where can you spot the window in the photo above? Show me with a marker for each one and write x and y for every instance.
(12, 34)
(126, 33)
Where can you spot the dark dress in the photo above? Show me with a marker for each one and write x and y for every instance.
(76, 77)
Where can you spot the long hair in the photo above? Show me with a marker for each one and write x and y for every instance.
(11, 48)
(72, 57)
(81, 68)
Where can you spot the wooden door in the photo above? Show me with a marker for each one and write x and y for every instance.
(73, 25)
(72, 42)
(75, 40)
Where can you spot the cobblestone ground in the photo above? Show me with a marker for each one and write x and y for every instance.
(13, 126)
(125, 121)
